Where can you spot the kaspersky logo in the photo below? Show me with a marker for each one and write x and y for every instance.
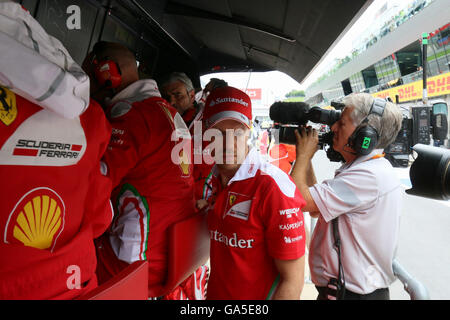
(37, 220)
(49, 149)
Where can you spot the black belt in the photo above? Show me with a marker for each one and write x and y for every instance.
(379, 294)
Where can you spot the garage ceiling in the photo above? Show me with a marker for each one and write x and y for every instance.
(261, 35)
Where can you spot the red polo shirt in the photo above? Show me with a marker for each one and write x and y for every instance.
(256, 218)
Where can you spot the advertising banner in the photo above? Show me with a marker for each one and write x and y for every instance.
(436, 86)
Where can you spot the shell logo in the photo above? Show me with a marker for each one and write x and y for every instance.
(37, 220)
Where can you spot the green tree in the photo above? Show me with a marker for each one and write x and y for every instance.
(295, 93)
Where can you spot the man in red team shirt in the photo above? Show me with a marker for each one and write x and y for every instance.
(152, 189)
(54, 199)
(179, 91)
(256, 223)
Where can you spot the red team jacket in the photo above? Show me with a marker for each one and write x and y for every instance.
(54, 200)
(152, 191)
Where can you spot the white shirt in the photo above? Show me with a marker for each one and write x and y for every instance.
(137, 91)
(37, 67)
(366, 195)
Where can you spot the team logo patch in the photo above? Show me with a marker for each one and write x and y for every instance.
(232, 199)
(180, 131)
(238, 206)
(47, 149)
(292, 240)
(227, 100)
(8, 107)
(166, 110)
(184, 163)
(37, 220)
(289, 212)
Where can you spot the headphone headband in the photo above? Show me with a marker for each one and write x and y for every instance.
(378, 107)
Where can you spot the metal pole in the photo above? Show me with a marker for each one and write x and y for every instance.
(415, 289)
(424, 67)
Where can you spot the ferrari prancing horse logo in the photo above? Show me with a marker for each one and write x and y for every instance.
(238, 206)
(232, 199)
(8, 107)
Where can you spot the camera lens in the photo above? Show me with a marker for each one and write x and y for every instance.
(285, 134)
(430, 173)
(319, 115)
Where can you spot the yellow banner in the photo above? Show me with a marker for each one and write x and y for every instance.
(436, 86)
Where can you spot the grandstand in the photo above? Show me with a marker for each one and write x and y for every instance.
(387, 58)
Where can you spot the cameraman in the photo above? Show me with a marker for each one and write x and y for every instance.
(366, 196)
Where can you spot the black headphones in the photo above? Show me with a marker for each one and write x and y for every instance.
(365, 137)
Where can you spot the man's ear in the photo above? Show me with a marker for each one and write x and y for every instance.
(192, 96)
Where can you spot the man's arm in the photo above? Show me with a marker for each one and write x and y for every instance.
(302, 173)
(303, 176)
(310, 176)
(292, 278)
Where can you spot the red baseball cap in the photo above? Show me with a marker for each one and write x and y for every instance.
(227, 103)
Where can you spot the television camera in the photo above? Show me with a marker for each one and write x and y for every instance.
(429, 173)
(290, 116)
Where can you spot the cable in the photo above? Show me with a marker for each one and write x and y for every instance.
(248, 80)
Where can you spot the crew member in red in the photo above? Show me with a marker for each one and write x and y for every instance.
(153, 184)
(54, 199)
(179, 91)
(256, 224)
(283, 156)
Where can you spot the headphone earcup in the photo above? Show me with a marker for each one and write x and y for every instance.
(365, 137)
(108, 74)
(363, 140)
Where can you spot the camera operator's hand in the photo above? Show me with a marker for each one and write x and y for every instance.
(303, 173)
(307, 141)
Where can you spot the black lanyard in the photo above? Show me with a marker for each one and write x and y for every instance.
(340, 285)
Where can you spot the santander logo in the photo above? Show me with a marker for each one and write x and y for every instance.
(228, 99)
(232, 241)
